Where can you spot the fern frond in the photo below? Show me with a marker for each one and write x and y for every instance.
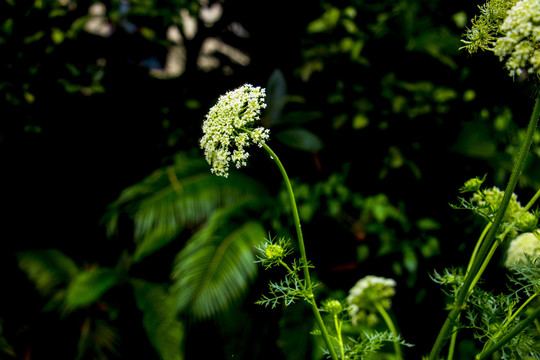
(174, 197)
(48, 269)
(217, 263)
(162, 326)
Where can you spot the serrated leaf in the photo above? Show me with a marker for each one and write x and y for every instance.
(88, 286)
(162, 326)
(214, 268)
(300, 139)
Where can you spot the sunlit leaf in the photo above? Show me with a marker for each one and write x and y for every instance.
(164, 329)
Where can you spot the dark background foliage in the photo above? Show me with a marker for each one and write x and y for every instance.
(377, 116)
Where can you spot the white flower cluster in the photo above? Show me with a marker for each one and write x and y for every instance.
(520, 45)
(527, 244)
(364, 295)
(229, 123)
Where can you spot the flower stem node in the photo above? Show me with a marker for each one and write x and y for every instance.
(229, 128)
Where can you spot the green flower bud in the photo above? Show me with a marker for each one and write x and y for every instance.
(472, 185)
(274, 251)
(332, 306)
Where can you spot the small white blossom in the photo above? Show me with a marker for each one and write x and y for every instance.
(230, 123)
(521, 41)
(364, 295)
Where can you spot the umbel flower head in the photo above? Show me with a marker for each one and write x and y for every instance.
(526, 244)
(229, 128)
(511, 29)
(366, 294)
(520, 45)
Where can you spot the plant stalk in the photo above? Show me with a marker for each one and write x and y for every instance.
(302, 249)
(487, 243)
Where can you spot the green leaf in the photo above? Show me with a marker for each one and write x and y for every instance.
(88, 286)
(162, 326)
(175, 197)
(47, 268)
(99, 340)
(300, 139)
(214, 268)
(276, 96)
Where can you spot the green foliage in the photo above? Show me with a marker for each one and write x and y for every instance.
(176, 197)
(89, 285)
(164, 329)
(48, 269)
(214, 268)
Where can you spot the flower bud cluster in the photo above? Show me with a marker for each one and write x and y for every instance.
(229, 128)
(520, 45)
(489, 200)
(366, 294)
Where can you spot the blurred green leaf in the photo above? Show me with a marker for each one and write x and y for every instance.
(88, 286)
(175, 197)
(427, 224)
(47, 268)
(217, 263)
(99, 340)
(300, 139)
(276, 96)
(160, 321)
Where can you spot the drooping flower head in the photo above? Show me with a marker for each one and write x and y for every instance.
(229, 128)
(366, 294)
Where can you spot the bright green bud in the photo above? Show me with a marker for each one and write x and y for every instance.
(472, 185)
(274, 252)
(332, 306)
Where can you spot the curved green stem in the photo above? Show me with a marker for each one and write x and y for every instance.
(391, 327)
(532, 201)
(301, 246)
(450, 321)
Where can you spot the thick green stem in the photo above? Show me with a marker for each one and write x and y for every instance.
(303, 256)
(487, 243)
